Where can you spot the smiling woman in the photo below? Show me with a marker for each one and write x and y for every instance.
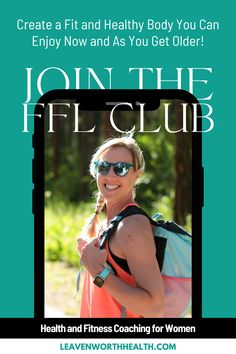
(119, 278)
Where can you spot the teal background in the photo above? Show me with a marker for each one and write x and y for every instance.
(17, 238)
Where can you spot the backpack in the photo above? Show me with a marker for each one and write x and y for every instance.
(174, 256)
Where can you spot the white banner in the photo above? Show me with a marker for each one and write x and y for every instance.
(115, 346)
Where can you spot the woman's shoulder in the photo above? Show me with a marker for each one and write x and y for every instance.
(134, 235)
(135, 220)
(137, 224)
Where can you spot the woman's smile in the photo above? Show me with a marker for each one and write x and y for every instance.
(111, 186)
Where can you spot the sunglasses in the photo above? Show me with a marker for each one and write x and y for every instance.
(120, 168)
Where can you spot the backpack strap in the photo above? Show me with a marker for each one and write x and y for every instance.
(167, 225)
(172, 227)
(128, 211)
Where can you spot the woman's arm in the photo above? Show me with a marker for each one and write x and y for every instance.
(132, 241)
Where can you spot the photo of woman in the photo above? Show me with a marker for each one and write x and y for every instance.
(89, 180)
(127, 288)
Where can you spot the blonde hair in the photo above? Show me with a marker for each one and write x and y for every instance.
(125, 141)
(130, 144)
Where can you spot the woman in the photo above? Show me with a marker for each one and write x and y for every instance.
(122, 280)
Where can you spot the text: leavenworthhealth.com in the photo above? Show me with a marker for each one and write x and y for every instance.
(118, 346)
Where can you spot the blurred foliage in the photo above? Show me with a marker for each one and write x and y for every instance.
(158, 177)
(63, 224)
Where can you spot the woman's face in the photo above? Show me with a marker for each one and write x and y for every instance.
(111, 186)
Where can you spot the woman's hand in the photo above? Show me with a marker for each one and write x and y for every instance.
(81, 243)
(93, 258)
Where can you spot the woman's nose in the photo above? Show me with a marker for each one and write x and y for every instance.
(111, 172)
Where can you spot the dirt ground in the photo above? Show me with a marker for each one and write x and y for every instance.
(61, 298)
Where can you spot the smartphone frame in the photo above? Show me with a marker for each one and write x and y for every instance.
(95, 100)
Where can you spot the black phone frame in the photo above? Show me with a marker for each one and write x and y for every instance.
(31, 327)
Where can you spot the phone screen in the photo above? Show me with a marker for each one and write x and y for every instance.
(73, 125)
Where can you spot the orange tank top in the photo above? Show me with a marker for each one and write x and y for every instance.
(97, 302)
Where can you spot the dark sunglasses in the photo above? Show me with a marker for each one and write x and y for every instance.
(120, 168)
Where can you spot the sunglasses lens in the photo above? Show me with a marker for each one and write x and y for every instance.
(121, 169)
(103, 168)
